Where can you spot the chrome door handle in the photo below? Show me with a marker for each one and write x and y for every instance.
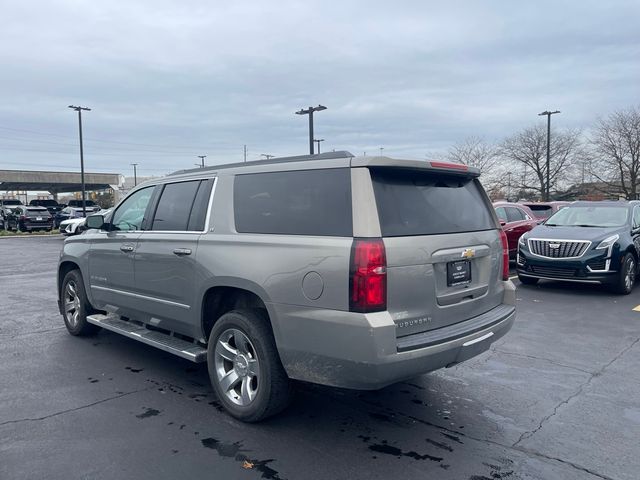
(126, 248)
(182, 251)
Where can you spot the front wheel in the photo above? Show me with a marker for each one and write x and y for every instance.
(76, 306)
(626, 276)
(245, 368)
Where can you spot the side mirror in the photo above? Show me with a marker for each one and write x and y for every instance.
(95, 221)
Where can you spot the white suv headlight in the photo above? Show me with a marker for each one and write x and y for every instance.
(608, 242)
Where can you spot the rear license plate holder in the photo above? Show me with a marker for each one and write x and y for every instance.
(458, 273)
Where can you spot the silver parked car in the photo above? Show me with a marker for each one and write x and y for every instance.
(354, 272)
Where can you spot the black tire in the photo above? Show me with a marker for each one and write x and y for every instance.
(527, 280)
(76, 324)
(627, 275)
(271, 387)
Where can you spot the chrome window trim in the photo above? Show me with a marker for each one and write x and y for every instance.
(588, 242)
(144, 297)
(207, 217)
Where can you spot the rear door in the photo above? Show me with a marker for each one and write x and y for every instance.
(165, 267)
(444, 254)
(518, 223)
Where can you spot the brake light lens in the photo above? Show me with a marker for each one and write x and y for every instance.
(450, 166)
(505, 255)
(368, 276)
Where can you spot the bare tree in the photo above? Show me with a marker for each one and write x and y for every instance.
(528, 148)
(616, 145)
(474, 152)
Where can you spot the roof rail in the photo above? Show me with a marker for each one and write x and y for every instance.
(298, 158)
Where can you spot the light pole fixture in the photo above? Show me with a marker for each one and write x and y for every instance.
(381, 149)
(548, 114)
(309, 111)
(79, 110)
(201, 157)
(135, 174)
(318, 143)
(266, 155)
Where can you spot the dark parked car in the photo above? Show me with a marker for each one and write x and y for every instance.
(78, 204)
(51, 205)
(586, 242)
(9, 202)
(68, 213)
(543, 210)
(29, 219)
(516, 220)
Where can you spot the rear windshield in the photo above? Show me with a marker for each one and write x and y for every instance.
(37, 211)
(11, 202)
(423, 203)
(540, 211)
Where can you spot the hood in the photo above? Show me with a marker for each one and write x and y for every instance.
(594, 234)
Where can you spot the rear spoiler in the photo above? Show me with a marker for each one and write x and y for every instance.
(427, 165)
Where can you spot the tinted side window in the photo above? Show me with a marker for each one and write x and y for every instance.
(514, 214)
(424, 203)
(130, 213)
(198, 214)
(174, 208)
(308, 202)
(502, 214)
(636, 217)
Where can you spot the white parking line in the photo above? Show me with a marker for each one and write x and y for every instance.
(513, 277)
(636, 309)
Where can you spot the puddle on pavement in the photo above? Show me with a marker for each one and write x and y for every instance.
(149, 412)
(235, 450)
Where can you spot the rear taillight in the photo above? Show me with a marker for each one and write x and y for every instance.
(505, 255)
(368, 276)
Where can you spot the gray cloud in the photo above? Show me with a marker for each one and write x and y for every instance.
(180, 79)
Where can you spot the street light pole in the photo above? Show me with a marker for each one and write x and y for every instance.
(202, 157)
(135, 174)
(267, 156)
(309, 111)
(548, 114)
(79, 110)
(318, 143)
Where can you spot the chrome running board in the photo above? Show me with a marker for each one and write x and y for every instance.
(168, 343)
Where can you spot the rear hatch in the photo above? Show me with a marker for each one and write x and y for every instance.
(443, 247)
(38, 215)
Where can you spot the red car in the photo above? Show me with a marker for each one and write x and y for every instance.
(543, 210)
(516, 220)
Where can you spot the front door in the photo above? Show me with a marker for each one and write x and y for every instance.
(111, 256)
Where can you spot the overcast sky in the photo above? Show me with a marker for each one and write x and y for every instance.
(168, 81)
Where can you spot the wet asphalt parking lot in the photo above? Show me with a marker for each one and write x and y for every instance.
(557, 398)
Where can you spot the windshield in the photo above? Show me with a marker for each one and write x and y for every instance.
(589, 216)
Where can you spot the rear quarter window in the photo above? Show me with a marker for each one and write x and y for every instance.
(307, 202)
(424, 203)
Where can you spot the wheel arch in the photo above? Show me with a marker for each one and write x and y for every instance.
(230, 293)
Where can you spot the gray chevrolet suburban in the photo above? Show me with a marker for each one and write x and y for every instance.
(354, 272)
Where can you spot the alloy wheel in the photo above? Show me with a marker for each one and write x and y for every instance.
(237, 367)
(71, 304)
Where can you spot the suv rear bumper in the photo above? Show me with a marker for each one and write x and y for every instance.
(366, 355)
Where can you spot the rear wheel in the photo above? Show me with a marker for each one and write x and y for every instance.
(627, 275)
(75, 306)
(527, 280)
(245, 368)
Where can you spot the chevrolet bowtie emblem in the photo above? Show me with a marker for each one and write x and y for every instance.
(469, 253)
